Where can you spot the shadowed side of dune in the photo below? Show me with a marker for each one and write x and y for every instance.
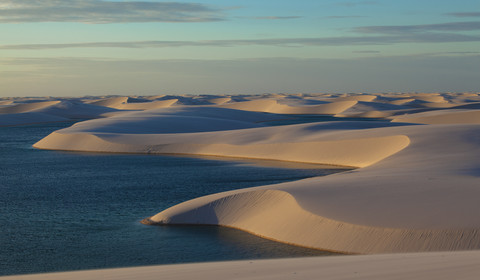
(277, 215)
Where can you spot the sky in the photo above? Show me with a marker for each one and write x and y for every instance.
(100, 47)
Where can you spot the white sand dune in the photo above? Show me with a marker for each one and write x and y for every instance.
(75, 110)
(27, 107)
(442, 117)
(262, 105)
(154, 97)
(464, 98)
(373, 110)
(146, 105)
(415, 189)
(49, 111)
(425, 266)
(272, 106)
(433, 98)
(111, 101)
(300, 101)
(357, 97)
(129, 103)
(220, 100)
(470, 105)
(453, 116)
(401, 101)
(174, 120)
(440, 100)
(6, 102)
(421, 198)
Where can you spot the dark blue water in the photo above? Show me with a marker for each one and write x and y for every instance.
(67, 211)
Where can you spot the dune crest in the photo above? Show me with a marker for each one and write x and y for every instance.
(272, 106)
(286, 222)
(128, 103)
(355, 153)
(220, 100)
(453, 116)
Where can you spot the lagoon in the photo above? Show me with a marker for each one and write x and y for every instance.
(69, 211)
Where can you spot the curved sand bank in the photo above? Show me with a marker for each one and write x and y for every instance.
(287, 221)
(416, 189)
(219, 132)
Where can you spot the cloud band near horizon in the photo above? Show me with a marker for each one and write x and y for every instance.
(382, 35)
(100, 12)
(281, 42)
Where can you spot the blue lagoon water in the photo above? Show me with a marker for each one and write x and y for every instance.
(64, 211)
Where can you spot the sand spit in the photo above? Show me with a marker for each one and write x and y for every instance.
(425, 266)
(165, 132)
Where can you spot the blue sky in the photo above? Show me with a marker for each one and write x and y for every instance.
(95, 47)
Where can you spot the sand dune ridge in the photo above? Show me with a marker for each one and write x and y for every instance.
(249, 211)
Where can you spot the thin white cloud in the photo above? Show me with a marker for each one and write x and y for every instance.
(368, 35)
(465, 14)
(340, 17)
(279, 42)
(368, 51)
(463, 53)
(98, 11)
(409, 29)
(277, 17)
